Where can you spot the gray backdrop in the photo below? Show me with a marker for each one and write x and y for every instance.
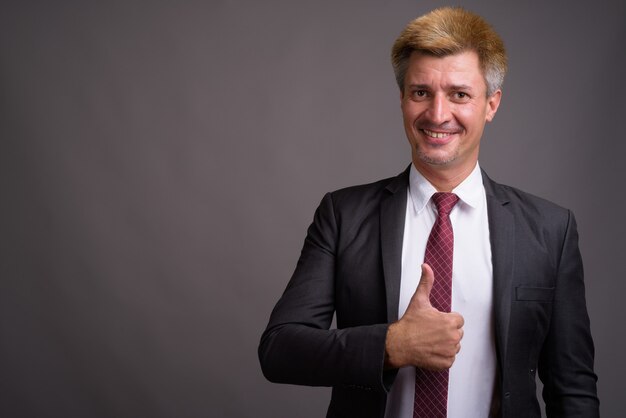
(160, 162)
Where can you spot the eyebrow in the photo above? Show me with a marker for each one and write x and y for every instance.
(453, 87)
(461, 87)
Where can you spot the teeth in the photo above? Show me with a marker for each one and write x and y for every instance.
(436, 134)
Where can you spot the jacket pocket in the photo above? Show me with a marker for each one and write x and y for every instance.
(534, 294)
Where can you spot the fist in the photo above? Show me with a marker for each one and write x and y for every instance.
(424, 337)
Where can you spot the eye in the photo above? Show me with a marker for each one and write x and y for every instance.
(461, 96)
(419, 94)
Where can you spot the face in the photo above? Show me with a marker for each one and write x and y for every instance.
(445, 108)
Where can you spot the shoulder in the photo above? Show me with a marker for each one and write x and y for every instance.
(368, 196)
(526, 206)
(355, 206)
(366, 191)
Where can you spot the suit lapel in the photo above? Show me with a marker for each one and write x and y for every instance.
(502, 237)
(392, 214)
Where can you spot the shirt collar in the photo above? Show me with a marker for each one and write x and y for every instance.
(470, 191)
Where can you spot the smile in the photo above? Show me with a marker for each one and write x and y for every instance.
(438, 135)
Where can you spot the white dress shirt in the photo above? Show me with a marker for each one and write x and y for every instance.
(472, 376)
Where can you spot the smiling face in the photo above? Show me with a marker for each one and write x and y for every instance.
(445, 108)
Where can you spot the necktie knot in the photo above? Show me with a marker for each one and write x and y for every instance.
(445, 202)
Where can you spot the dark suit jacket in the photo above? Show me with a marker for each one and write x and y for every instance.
(350, 266)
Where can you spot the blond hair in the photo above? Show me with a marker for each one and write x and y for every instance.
(448, 31)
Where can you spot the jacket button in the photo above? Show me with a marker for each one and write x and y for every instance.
(507, 394)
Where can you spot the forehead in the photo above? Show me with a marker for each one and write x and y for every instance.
(458, 69)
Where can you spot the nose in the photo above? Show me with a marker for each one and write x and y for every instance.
(439, 110)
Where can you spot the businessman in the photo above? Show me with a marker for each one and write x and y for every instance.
(451, 291)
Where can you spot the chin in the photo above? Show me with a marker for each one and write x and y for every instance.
(433, 158)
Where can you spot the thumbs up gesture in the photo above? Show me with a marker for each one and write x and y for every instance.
(424, 337)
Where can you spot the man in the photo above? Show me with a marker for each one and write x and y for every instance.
(486, 280)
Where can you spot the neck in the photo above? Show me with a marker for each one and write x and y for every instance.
(444, 179)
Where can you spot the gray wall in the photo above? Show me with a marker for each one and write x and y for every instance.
(160, 162)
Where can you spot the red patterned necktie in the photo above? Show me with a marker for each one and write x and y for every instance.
(431, 388)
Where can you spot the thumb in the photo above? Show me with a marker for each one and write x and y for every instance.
(421, 297)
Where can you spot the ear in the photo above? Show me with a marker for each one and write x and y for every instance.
(493, 102)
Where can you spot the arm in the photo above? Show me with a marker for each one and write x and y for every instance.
(566, 361)
(298, 347)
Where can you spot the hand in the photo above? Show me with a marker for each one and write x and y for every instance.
(424, 337)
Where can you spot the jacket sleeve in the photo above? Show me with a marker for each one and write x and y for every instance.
(298, 346)
(566, 361)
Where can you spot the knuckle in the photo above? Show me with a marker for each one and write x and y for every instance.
(451, 322)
